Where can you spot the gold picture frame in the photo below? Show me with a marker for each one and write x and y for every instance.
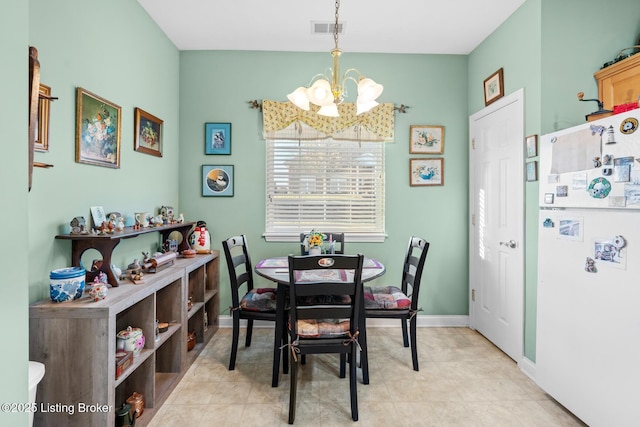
(494, 87)
(41, 143)
(147, 133)
(426, 139)
(98, 123)
(426, 172)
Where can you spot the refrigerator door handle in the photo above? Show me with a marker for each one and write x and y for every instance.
(511, 244)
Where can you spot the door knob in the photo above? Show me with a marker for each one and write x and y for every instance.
(511, 244)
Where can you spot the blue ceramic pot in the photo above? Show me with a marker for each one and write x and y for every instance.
(66, 284)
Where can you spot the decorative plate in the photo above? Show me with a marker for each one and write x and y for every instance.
(599, 188)
(629, 125)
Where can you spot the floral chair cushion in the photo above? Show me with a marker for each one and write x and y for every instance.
(386, 298)
(259, 299)
(325, 328)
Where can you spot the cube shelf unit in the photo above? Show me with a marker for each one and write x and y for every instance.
(76, 341)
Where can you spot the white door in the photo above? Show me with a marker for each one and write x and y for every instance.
(496, 300)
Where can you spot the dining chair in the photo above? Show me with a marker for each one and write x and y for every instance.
(255, 303)
(393, 302)
(330, 326)
(337, 238)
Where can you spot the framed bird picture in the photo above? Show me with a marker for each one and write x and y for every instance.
(217, 180)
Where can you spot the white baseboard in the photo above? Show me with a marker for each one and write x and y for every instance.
(423, 322)
(528, 367)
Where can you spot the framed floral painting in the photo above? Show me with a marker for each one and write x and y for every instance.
(97, 130)
(426, 139)
(426, 172)
(147, 133)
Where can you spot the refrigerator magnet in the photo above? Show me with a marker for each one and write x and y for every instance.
(599, 188)
(629, 125)
(548, 198)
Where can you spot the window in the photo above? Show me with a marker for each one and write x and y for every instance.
(325, 185)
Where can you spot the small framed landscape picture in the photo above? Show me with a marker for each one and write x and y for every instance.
(148, 133)
(426, 172)
(532, 145)
(217, 180)
(217, 137)
(426, 139)
(494, 87)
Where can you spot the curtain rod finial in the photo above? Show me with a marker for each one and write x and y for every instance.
(254, 104)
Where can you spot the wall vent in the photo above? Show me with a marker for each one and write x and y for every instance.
(326, 27)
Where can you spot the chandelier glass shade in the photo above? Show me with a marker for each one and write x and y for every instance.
(328, 91)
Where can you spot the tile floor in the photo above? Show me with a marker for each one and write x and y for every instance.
(464, 380)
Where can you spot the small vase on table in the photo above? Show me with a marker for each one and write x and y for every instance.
(315, 250)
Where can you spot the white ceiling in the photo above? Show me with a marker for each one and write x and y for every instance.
(395, 26)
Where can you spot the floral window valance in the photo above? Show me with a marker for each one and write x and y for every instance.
(285, 121)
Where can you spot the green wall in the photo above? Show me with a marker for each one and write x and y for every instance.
(116, 51)
(551, 49)
(13, 193)
(215, 87)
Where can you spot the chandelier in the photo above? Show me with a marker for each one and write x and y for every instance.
(328, 91)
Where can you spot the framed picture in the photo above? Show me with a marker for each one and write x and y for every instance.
(217, 138)
(532, 145)
(147, 130)
(493, 87)
(426, 172)
(42, 128)
(426, 139)
(97, 130)
(532, 171)
(217, 180)
(97, 216)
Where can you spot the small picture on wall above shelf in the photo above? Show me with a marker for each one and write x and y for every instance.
(217, 137)
(217, 180)
(148, 133)
(97, 130)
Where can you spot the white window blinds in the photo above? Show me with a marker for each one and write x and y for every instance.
(325, 185)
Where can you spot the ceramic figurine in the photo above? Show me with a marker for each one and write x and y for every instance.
(98, 291)
(120, 224)
(78, 225)
(180, 218)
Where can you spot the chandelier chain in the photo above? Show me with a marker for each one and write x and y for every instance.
(335, 27)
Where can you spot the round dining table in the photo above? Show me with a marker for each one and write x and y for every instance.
(276, 269)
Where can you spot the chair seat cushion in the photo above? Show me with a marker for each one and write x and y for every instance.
(324, 328)
(385, 298)
(259, 299)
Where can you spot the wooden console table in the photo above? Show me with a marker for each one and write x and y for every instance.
(106, 243)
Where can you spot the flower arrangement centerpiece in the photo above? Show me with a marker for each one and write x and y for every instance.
(314, 240)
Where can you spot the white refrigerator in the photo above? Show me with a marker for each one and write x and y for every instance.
(588, 308)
